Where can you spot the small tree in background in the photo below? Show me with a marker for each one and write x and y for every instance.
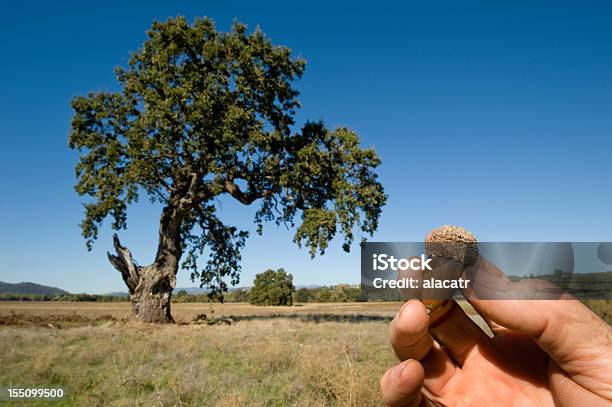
(303, 295)
(202, 114)
(345, 293)
(272, 288)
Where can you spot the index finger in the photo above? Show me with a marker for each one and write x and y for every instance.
(572, 335)
(409, 334)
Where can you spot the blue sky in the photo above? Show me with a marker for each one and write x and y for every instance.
(492, 116)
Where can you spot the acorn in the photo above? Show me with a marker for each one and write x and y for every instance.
(452, 243)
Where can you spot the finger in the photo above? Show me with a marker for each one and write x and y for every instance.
(459, 335)
(408, 331)
(401, 385)
(572, 335)
(487, 281)
(411, 340)
(569, 332)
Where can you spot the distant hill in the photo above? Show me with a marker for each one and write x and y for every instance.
(198, 290)
(27, 288)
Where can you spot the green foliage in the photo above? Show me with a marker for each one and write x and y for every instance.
(272, 288)
(345, 293)
(303, 295)
(338, 293)
(238, 295)
(202, 114)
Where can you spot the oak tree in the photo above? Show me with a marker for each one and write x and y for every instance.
(272, 288)
(201, 114)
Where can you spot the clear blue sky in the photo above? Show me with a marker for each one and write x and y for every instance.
(497, 117)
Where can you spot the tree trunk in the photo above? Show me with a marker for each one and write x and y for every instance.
(150, 287)
(151, 298)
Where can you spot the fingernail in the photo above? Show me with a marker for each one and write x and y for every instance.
(399, 369)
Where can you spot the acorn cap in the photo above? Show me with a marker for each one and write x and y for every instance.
(454, 243)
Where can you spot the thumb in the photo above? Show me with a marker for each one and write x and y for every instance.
(401, 385)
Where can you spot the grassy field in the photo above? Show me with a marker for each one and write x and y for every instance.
(100, 359)
(310, 355)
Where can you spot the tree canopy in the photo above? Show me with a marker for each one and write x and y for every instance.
(201, 114)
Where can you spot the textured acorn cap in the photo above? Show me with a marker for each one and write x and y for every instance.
(452, 242)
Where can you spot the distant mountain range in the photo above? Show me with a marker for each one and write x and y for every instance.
(27, 288)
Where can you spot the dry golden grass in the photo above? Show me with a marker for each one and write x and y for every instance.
(269, 362)
(100, 359)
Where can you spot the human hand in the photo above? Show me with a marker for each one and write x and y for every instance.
(542, 353)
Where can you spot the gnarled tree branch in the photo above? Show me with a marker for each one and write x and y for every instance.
(235, 191)
(123, 262)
